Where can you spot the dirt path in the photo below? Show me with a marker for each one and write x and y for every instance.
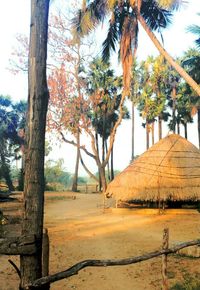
(79, 229)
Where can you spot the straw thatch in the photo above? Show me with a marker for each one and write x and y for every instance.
(170, 169)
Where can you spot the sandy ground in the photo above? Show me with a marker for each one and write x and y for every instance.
(80, 229)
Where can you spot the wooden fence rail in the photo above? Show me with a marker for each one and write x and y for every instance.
(116, 262)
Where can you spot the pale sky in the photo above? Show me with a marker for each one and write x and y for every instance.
(15, 18)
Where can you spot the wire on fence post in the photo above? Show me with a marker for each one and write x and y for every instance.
(165, 246)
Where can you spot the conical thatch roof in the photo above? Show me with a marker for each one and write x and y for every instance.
(170, 169)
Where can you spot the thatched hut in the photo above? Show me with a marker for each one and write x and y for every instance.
(169, 170)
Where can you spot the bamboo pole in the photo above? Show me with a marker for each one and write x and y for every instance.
(165, 246)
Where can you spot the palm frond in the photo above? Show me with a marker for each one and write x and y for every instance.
(197, 41)
(195, 29)
(109, 43)
(155, 16)
(171, 4)
(89, 17)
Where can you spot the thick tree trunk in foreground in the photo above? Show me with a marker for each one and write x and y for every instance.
(35, 140)
(170, 60)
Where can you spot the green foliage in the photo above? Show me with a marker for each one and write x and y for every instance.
(12, 119)
(153, 76)
(55, 186)
(95, 11)
(18, 175)
(195, 29)
(55, 175)
(189, 283)
(104, 90)
(21, 180)
(82, 180)
(191, 62)
(116, 172)
(48, 148)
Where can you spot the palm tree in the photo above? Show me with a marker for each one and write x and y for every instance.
(195, 29)
(105, 100)
(152, 102)
(125, 15)
(191, 62)
(134, 96)
(158, 80)
(184, 110)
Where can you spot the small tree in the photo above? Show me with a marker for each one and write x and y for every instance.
(12, 117)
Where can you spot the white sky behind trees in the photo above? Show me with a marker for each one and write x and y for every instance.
(15, 18)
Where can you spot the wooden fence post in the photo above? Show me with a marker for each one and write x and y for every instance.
(165, 246)
(45, 253)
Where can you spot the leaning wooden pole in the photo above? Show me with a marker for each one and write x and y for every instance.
(32, 224)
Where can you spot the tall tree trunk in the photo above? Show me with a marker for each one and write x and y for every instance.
(178, 128)
(147, 135)
(174, 109)
(87, 170)
(103, 149)
(103, 178)
(152, 133)
(38, 95)
(159, 128)
(103, 136)
(97, 146)
(185, 130)
(108, 165)
(75, 178)
(198, 124)
(112, 165)
(165, 54)
(133, 132)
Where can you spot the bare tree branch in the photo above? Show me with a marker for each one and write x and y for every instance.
(81, 146)
(114, 130)
(87, 170)
(104, 263)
